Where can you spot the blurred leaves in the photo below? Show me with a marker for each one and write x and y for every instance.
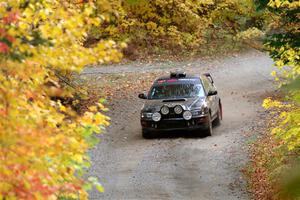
(284, 47)
(43, 138)
(173, 25)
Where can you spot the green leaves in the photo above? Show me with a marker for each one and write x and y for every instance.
(93, 181)
(284, 48)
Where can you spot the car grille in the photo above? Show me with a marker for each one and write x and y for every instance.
(172, 124)
(172, 115)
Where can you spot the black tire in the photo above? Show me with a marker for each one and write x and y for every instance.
(217, 121)
(147, 134)
(209, 131)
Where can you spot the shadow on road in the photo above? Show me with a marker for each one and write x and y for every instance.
(181, 134)
(178, 134)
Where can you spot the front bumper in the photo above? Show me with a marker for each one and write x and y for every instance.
(176, 124)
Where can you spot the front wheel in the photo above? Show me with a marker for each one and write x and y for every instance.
(217, 121)
(209, 128)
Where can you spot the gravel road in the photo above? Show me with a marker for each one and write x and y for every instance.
(181, 167)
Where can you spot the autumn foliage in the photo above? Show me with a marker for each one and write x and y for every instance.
(160, 26)
(43, 142)
(276, 157)
(44, 139)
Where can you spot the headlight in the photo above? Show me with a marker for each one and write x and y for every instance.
(164, 110)
(156, 117)
(178, 109)
(146, 115)
(187, 115)
(204, 110)
(197, 112)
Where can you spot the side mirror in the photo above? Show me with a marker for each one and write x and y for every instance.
(209, 77)
(212, 93)
(142, 96)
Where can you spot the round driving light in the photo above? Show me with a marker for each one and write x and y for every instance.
(164, 110)
(156, 117)
(178, 109)
(187, 115)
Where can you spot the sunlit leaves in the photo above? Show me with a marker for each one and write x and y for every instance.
(167, 24)
(43, 142)
(284, 48)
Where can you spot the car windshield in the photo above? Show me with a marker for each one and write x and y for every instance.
(187, 90)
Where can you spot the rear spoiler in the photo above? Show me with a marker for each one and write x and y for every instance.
(209, 77)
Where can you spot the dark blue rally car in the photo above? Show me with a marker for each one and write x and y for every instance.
(181, 102)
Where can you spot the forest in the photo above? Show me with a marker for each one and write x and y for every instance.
(49, 121)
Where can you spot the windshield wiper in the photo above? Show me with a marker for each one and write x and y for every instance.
(172, 100)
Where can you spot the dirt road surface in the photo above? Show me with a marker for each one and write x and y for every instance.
(180, 167)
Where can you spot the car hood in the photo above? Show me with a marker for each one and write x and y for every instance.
(186, 103)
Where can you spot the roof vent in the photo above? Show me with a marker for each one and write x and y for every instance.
(177, 74)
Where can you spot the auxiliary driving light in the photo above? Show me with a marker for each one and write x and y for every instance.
(187, 115)
(178, 109)
(156, 117)
(164, 110)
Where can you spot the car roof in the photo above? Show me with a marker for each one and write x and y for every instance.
(166, 80)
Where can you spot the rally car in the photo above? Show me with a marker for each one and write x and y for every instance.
(181, 102)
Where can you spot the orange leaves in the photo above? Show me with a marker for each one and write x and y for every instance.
(4, 47)
(5, 38)
(11, 17)
(263, 155)
(3, 112)
(28, 184)
(43, 142)
(30, 95)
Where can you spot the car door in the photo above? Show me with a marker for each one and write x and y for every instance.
(213, 99)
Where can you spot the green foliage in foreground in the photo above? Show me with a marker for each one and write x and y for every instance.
(284, 47)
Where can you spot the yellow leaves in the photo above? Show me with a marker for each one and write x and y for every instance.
(89, 11)
(284, 4)
(286, 57)
(209, 2)
(94, 181)
(275, 3)
(94, 119)
(251, 33)
(100, 188)
(269, 103)
(123, 45)
(4, 186)
(77, 157)
(101, 119)
(62, 108)
(87, 118)
(102, 107)
(40, 137)
(288, 128)
(52, 25)
(83, 194)
(292, 138)
(279, 63)
(151, 25)
(93, 108)
(274, 73)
